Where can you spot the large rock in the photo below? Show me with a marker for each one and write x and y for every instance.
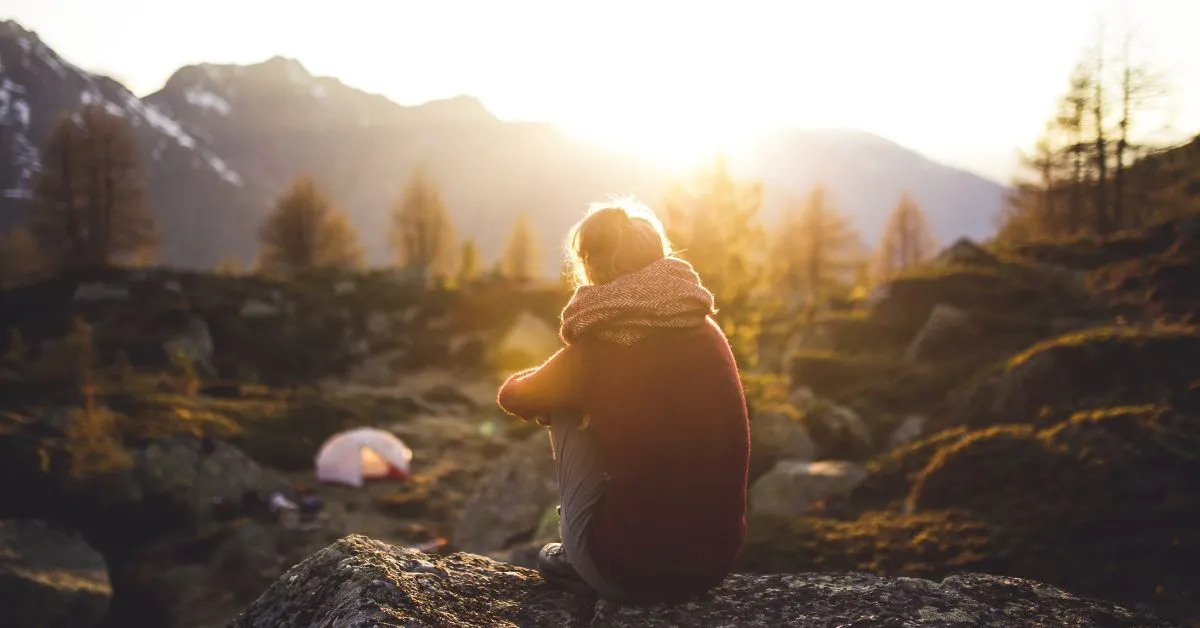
(794, 487)
(909, 430)
(511, 500)
(838, 432)
(1104, 503)
(942, 335)
(49, 578)
(965, 252)
(195, 475)
(361, 582)
(775, 436)
(1097, 368)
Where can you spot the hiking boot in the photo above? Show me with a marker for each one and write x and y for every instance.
(556, 569)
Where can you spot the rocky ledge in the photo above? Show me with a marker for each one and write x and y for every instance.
(358, 582)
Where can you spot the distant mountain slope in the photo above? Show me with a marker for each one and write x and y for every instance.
(222, 141)
(185, 174)
(866, 174)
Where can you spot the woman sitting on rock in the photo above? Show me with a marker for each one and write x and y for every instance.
(647, 419)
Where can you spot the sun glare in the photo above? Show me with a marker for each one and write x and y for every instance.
(667, 144)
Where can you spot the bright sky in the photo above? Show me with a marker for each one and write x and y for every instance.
(965, 82)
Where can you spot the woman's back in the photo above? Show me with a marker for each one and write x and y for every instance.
(670, 417)
(647, 416)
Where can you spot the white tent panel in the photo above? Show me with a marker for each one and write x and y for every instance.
(354, 456)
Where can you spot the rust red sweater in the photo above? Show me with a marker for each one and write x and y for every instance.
(670, 417)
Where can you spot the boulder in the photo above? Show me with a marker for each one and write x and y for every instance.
(256, 308)
(803, 399)
(965, 252)
(49, 577)
(775, 436)
(361, 582)
(909, 430)
(194, 475)
(795, 487)
(838, 431)
(1103, 503)
(379, 324)
(942, 335)
(511, 499)
(529, 339)
(1096, 368)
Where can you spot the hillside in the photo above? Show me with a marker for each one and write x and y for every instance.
(221, 142)
(1028, 413)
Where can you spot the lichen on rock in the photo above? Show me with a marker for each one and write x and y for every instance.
(361, 582)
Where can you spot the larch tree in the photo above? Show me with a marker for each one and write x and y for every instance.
(1141, 89)
(817, 247)
(1080, 181)
(1099, 125)
(907, 240)
(1072, 119)
(89, 197)
(520, 260)
(422, 234)
(1034, 208)
(468, 262)
(714, 221)
(229, 266)
(307, 232)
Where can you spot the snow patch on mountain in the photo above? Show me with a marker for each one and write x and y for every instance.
(224, 170)
(14, 113)
(139, 112)
(160, 121)
(10, 101)
(205, 99)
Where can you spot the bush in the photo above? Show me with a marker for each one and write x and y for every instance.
(1103, 504)
(1097, 368)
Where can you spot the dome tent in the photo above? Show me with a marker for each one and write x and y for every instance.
(356, 455)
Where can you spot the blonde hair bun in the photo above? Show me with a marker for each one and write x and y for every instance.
(614, 238)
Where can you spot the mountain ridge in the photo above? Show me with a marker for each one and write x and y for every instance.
(222, 141)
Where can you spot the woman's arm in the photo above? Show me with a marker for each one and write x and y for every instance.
(555, 386)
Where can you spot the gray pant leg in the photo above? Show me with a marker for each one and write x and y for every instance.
(581, 482)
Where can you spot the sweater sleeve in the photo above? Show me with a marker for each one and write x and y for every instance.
(555, 386)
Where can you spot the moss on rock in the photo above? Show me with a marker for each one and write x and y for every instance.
(1104, 503)
(1095, 368)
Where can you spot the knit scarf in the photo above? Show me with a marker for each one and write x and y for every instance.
(666, 294)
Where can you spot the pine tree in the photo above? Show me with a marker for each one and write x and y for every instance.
(817, 247)
(907, 240)
(714, 222)
(520, 261)
(89, 196)
(307, 232)
(421, 233)
(20, 259)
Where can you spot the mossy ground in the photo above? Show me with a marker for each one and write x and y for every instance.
(1103, 504)
(1084, 478)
